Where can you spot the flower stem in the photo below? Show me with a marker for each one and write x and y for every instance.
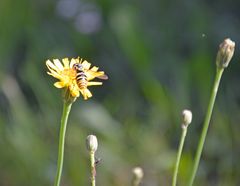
(66, 110)
(93, 168)
(180, 148)
(218, 76)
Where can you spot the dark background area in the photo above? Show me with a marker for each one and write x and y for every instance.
(160, 59)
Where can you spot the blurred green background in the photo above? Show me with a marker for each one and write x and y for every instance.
(160, 59)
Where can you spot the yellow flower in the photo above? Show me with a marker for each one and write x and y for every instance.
(68, 76)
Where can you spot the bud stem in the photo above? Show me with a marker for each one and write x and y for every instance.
(93, 168)
(180, 148)
(66, 110)
(218, 76)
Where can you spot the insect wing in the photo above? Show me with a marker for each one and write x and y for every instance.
(103, 77)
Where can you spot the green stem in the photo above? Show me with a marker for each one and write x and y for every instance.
(206, 124)
(66, 109)
(180, 148)
(93, 169)
(136, 182)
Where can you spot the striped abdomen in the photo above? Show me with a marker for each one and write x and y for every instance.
(81, 77)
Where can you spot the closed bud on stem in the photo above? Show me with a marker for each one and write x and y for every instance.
(92, 143)
(187, 118)
(138, 175)
(225, 53)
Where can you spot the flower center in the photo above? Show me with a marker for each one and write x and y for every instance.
(70, 73)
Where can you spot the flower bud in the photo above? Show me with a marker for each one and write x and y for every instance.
(138, 175)
(92, 143)
(187, 118)
(225, 53)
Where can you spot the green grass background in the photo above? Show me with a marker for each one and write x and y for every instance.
(160, 59)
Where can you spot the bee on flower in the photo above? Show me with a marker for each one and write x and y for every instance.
(75, 75)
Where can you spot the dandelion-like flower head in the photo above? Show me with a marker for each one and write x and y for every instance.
(67, 75)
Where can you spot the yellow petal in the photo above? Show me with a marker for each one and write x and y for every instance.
(74, 90)
(93, 83)
(86, 93)
(91, 75)
(86, 65)
(53, 71)
(77, 60)
(65, 62)
(59, 84)
(75, 93)
(73, 61)
(51, 66)
(54, 74)
(94, 69)
(58, 64)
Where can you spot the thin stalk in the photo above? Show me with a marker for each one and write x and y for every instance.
(93, 169)
(66, 110)
(136, 182)
(206, 124)
(180, 148)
